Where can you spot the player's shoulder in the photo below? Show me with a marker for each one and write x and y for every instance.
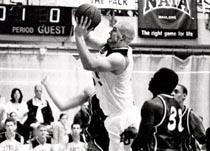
(156, 101)
(117, 60)
(120, 51)
(194, 116)
(152, 104)
(169, 100)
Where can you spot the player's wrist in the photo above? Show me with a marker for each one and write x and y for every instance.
(43, 81)
(87, 37)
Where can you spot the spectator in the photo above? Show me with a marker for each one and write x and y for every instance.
(76, 144)
(41, 141)
(39, 111)
(21, 128)
(193, 127)
(10, 140)
(83, 116)
(61, 130)
(17, 105)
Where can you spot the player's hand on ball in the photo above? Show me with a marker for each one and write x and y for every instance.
(82, 26)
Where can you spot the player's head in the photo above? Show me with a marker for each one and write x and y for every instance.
(127, 30)
(180, 93)
(163, 81)
(122, 34)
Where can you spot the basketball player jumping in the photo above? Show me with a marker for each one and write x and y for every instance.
(112, 70)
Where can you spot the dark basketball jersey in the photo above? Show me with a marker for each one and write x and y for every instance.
(208, 139)
(167, 133)
(189, 143)
(186, 132)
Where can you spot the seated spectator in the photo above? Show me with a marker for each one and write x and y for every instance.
(17, 105)
(39, 111)
(61, 130)
(21, 128)
(10, 140)
(83, 116)
(76, 144)
(42, 141)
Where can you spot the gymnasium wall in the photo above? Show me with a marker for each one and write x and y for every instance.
(23, 70)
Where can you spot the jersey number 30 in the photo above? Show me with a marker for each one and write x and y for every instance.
(173, 123)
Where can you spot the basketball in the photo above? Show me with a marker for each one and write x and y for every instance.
(89, 11)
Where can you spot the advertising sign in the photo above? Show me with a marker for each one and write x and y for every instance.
(167, 19)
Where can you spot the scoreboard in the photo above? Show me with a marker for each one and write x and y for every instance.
(35, 20)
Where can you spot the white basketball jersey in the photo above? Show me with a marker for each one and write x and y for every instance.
(115, 91)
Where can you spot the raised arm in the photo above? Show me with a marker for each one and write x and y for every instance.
(113, 62)
(71, 102)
